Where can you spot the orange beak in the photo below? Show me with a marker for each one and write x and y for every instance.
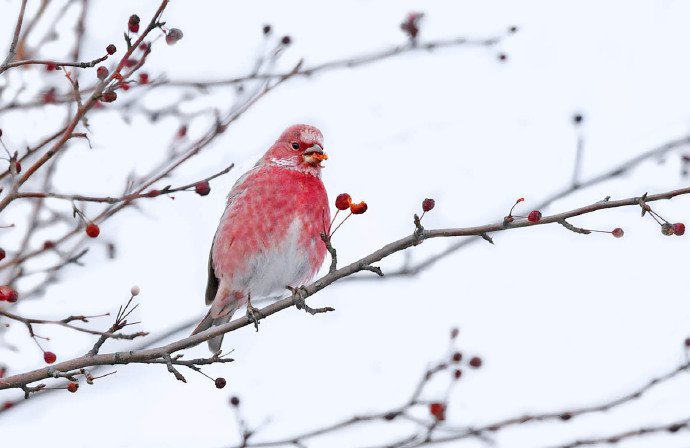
(314, 155)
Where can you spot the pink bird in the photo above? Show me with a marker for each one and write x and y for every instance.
(269, 236)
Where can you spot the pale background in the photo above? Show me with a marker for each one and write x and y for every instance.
(561, 320)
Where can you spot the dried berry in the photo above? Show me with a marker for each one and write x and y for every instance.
(534, 216)
(3, 254)
(618, 232)
(173, 36)
(286, 40)
(667, 229)
(220, 382)
(72, 387)
(457, 357)
(457, 374)
(135, 290)
(143, 78)
(133, 23)
(235, 401)
(101, 72)
(111, 49)
(109, 96)
(358, 209)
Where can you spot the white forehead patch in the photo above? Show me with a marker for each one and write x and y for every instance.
(311, 136)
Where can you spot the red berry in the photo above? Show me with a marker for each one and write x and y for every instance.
(72, 387)
(667, 229)
(143, 78)
(124, 86)
(173, 36)
(534, 216)
(457, 374)
(286, 40)
(220, 382)
(438, 410)
(678, 228)
(92, 230)
(47, 245)
(133, 23)
(2, 254)
(358, 209)
(129, 63)
(428, 204)
(182, 132)
(51, 66)
(144, 46)
(454, 333)
(109, 96)
(49, 357)
(101, 72)
(234, 401)
(202, 188)
(476, 362)
(457, 357)
(6, 405)
(343, 201)
(111, 49)
(8, 293)
(618, 232)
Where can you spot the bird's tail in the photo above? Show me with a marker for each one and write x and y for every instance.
(214, 344)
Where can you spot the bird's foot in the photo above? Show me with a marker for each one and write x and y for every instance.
(253, 314)
(298, 296)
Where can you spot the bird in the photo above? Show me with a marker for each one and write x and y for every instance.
(269, 236)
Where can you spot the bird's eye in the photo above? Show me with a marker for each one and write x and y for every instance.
(295, 145)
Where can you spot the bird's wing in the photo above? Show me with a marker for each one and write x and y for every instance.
(212, 283)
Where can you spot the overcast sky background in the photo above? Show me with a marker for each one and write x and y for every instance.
(561, 320)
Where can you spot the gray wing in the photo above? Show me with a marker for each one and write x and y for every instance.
(212, 283)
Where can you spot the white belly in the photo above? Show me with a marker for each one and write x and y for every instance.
(276, 267)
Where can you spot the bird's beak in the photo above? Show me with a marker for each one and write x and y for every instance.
(314, 155)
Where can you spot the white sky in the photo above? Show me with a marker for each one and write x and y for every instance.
(561, 320)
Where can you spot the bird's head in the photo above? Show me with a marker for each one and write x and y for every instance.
(299, 146)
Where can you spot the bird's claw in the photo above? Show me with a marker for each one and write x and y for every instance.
(298, 296)
(253, 314)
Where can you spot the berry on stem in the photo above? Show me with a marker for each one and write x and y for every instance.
(109, 96)
(457, 357)
(343, 201)
(534, 216)
(220, 382)
(111, 49)
(428, 204)
(476, 362)
(617, 232)
(49, 357)
(72, 387)
(667, 229)
(678, 228)
(457, 374)
(92, 230)
(202, 188)
(358, 209)
(235, 401)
